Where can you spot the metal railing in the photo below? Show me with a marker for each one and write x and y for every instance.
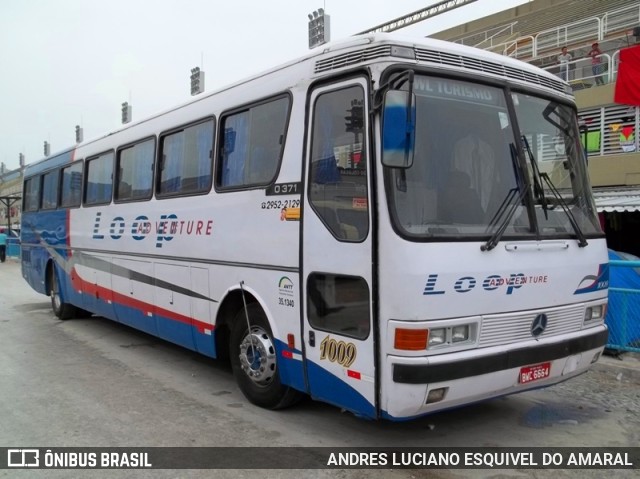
(623, 18)
(479, 37)
(521, 47)
(589, 29)
(488, 41)
(581, 72)
(623, 313)
(583, 31)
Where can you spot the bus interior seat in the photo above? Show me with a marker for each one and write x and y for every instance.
(340, 229)
(417, 205)
(354, 222)
(459, 202)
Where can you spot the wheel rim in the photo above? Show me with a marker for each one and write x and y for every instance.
(55, 295)
(258, 356)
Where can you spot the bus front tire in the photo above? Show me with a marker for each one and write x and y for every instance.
(254, 361)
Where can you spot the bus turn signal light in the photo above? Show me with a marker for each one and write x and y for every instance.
(411, 339)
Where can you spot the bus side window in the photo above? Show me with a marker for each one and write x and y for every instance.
(32, 194)
(71, 190)
(135, 171)
(99, 180)
(338, 183)
(50, 190)
(186, 160)
(339, 304)
(252, 144)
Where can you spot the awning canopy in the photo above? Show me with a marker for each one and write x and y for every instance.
(617, 199)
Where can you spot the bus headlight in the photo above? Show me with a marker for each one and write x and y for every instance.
(442, 337)
(460, 333)
(595, 313)
(437, 337)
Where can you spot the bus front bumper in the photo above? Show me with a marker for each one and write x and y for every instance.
(480, 374)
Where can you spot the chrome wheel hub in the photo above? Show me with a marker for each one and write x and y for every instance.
(258, 356)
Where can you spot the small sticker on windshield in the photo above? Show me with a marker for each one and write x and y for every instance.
(504, 119)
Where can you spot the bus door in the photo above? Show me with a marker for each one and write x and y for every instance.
(337, 250)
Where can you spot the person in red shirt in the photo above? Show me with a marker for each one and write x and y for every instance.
(596, 63)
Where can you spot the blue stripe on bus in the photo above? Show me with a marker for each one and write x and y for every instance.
(332, 389)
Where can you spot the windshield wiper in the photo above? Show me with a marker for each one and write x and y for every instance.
(506, 210)
(538, 178)
(538, 188)
(582, 241)
(508, 206)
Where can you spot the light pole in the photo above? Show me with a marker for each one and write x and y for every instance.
(319, 28)
(197, 81)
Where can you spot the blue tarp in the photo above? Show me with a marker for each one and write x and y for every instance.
(628, 278)
(623, 312)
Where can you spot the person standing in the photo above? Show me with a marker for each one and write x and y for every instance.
(596, 63)
(563, 60)
(3, 245)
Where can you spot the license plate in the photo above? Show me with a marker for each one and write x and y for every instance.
(534, 373)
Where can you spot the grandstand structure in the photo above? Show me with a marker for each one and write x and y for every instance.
(535, 32)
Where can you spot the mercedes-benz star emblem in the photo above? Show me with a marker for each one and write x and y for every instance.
(539, 325)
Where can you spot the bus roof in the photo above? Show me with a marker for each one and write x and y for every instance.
(339, 55)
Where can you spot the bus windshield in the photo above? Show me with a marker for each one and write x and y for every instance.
(466, 169)
(551, 141)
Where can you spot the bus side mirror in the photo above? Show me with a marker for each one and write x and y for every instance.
(398, 129)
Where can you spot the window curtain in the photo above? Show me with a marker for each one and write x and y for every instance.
(326, 168)
(236, 139)
(142, 169)
(99, 180)
(173, 152)
(204, 138)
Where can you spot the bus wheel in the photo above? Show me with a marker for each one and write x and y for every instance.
(254, 361)
(60, 309)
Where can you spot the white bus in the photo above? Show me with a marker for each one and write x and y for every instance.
(395, 226)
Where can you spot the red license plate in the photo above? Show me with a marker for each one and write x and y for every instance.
(534, 373)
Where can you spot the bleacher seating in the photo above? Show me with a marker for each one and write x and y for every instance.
(558, 15)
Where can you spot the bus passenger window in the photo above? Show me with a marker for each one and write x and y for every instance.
(50, 190)
(99, 179)
(185, 167)
(32, 194)
(71, 194)
(252, 145)
(135, 171)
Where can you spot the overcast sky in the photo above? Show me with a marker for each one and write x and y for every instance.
(73, 62)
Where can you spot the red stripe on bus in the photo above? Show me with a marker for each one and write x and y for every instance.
(106, 294)
(354, 374)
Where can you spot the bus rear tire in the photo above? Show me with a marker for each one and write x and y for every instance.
(254, 361)
(61, 309)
